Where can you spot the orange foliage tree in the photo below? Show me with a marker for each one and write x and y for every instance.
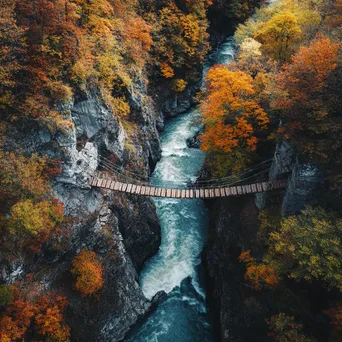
(310, 100)
(46, 313)
(258, 274)
(232, 117)
(49, 318)
(88, 271)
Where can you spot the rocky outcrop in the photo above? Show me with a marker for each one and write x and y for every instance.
(123, 230)
(233, 227)
(305, 180)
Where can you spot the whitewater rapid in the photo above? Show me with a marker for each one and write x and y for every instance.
(176, 268)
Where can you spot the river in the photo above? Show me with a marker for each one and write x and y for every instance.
(176, 268)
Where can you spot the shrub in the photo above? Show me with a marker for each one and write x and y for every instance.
(6, 294)
(89, 273)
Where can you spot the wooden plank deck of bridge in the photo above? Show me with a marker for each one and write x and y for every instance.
(203, 193)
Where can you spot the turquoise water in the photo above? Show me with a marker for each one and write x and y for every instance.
(176, 268)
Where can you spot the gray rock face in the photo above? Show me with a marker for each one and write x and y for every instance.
(123, 230)
(303, 189)
(232, 229)
(304, 179)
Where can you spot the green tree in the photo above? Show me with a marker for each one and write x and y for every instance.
(6, 294)
(285, 329)
(308, 246)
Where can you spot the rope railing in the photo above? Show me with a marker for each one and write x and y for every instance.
(258, 171)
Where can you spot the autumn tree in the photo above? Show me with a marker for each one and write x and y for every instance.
(284, 328)
(279, 36)
(232, 118)
(16, 320)
(258, 274)
(243, 9)
(12, 49)
(88, 271)
(309, 99)
(49, 320)
(308, 246)
(29, 213)
(335, 315)
(180, 40)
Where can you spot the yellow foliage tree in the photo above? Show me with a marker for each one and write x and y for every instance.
(280, 36)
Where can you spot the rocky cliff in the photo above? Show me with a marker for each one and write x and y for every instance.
(240, 315)
(123, 230)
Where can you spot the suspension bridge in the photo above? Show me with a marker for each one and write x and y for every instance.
(114, 178)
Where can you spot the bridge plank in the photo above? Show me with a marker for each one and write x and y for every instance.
(227, 191)
(191, 191)
(109, 182)
(173, 193)
(264, 186)
(217, 192)
(254, 188)
(99, 181)
(124, 187)
(234, 191)
(138, 189)
(112, 183)
(129, 188)
(206, 193)
(152, 191)
(239, 190)
(168, 192)
(147, 191)
(259, 188)
(222, 193)
(201, 193)
(182, 194)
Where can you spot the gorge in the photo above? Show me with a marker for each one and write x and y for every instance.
(172, 92)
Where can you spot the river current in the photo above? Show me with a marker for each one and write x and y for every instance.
(176, 268)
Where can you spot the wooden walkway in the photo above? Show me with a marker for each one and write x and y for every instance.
(187, 193)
